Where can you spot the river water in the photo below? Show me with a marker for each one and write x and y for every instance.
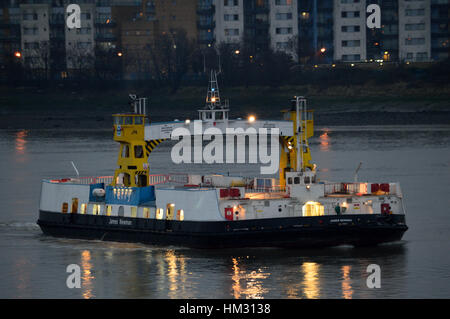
(34, 266)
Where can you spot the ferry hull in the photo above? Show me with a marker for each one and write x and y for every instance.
(294, 232)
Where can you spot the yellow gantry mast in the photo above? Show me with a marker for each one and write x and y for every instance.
(133, 167)
(295, 154)
(132, 162)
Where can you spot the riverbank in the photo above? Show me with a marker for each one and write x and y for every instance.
(26, 108)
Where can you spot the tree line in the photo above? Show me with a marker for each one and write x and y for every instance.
(173, 60)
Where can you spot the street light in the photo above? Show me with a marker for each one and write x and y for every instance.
(119, 54)
(237, 52)
(17, 54)
(323, 50)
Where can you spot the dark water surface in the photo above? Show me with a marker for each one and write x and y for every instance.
(34, 266)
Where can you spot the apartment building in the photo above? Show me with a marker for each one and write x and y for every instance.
(10, 31)
(414, 30)
(315, 40)
(440, 29)
(349, 30)
(229, 20)
(283, 28)
(35, 35)
(257, 24)
(205, 23)
(79, 42)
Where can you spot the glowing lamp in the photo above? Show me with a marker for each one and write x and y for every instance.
(251, 118)
(18, 54)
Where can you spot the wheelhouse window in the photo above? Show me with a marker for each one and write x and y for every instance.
(138, 120)
(138, 151)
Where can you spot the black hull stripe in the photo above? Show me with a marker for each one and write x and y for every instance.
(280, 232)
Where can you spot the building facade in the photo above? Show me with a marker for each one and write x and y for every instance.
(349, 30)
(414, 30)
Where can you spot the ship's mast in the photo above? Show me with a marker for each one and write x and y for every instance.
(213, 96)
(214, 110)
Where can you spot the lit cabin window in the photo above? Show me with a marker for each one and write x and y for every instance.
(133, 211)
(74, 206)
(65, 207)
(146, 212)
(313, 209)
(96, 209)
(159, 213)
(83, 209)
(170, 211)
(108, 210)
(180, 215)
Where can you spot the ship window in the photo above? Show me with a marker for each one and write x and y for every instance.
(125, 151)
(95, 209)
(146, 212)
(133, 211)
(65, 207)
(289, 180)
(138, 120)
(117, 120)
(141, 180)
(126, 179)
(170, 210)
(180, 214)
(120, 212)
(296, 180)
(159, 213)
(307, 179)
(128, 120)
(108, 210)
(83, 209)
(313, 209)
(74, 206)
(138, 151)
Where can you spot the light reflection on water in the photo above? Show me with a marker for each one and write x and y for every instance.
(35, 266)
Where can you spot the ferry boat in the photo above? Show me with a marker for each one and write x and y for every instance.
(216, 211)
